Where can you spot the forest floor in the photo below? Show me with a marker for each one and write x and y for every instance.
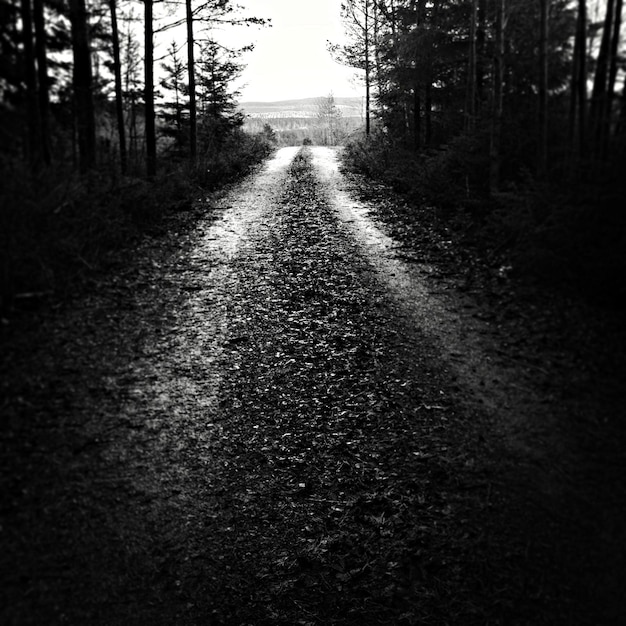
(295, 407)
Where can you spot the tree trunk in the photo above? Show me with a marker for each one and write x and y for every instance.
(130, 96)
(542, 157)
(377, 51)
(600, 87)
(417, 100)
(578, 96)
(620, 129)
(604, 103)
(612, 72)
(149, 92)
(119, 103)
(393, 18)
(470, 94)
(498, 94)
(480, 54)
(82, 80)
(367, 71)
(582, 78)
(193, 150)
(428, 89)
(30, 79)
(428, 105)
(417, 117)
(42, 79)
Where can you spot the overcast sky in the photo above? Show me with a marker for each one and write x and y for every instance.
(290, 59)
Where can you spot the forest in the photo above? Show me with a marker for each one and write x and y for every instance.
(102, 136)
(377, 380)
(508, 117)
(325, 120)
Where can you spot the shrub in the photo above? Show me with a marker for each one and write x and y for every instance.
(573, 237)
(57, 228)
(233, 158)
(449, 177)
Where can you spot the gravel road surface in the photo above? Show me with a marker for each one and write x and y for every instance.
(271, 416)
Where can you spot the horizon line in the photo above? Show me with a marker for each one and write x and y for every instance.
(259, 101)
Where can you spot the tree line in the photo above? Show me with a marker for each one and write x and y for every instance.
(106, 130)
(538, 81)
(508, 116)
(72, 70)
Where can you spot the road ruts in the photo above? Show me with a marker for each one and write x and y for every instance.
(266, 419)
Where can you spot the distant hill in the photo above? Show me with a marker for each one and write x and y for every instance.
(292, 121)
(302, 108)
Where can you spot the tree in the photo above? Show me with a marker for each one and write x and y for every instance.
(543, 88)
(42, 79)
(132, 87)
(604, 80)
(613, 62)
(470, 95)
(82, 83)
(360, 26)
(222, 12)
(149, 91)
(105, 77)
(422, 74)
(218, 113)
(191, 69)
(269, 134)
(498, 98)
(173, 83)
(329, 115)
(117, 72)
(578, 83)
(218, 67)
(30, 79)
(11, 56)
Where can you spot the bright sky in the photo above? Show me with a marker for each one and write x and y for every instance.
(290, 59)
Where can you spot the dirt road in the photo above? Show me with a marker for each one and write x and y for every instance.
(271, 418)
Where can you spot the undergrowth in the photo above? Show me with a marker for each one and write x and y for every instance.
(568, 234)
(57, 227)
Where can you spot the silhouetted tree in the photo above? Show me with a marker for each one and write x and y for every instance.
(117, 72)
(471, 91)
(173, 83)
(578, 86)
(30, 81)
(43, 98)
(82, 82)
(360, 25)
(149, 91)
(498, 98)
(542, 158)
(191, 69)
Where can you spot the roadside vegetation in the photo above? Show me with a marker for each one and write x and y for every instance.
(568, 234)
(59, 228)
(480, 113)
(92, 157)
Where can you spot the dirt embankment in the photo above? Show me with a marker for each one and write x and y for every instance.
(272, 417)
